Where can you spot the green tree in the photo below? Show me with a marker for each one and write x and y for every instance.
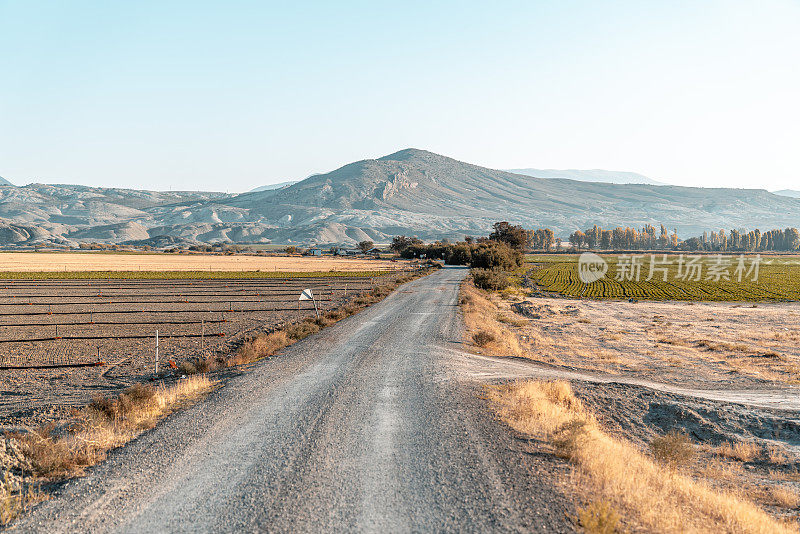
(512, 235)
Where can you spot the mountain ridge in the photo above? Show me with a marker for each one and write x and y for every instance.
(412, 192)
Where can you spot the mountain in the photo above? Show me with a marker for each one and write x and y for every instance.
(272, 187)
(590, 175)
(3, 181)
(410, 192)
(788, 193)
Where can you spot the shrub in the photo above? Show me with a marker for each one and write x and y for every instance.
(302, 330)
(489, 279)
(599, 518)
(118, 407)
(673, 449)
(259, 347)
(459, 255)
(187, 368)
(140, 394)
(569, 437)
(496, 256)
(206, 365)
(744, 451)
(482, 338)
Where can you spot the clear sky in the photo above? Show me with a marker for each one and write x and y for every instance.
(232, 95)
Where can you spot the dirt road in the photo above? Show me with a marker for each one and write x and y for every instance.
(359, 428)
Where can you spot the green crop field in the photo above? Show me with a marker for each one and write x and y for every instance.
(688, 277)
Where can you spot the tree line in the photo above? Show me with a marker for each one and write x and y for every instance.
(777, 240)
(646, 239)
(518, 239)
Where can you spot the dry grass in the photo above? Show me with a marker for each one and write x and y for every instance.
(14, 503)
(784, 498)
(665, 340)
(33, 262)
(599, 517)
(105, 424)
(108, 422)
(721, 346)
(261, 347)
(673, 449)
(480, 315)
(482, 338)
(744, 451)
(652, 497)
(776, 455)
(512, 321)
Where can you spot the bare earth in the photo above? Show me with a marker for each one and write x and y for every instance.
(693, 345)
(98, 261)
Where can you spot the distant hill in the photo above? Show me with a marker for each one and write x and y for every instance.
(590, 175)
(3, 181)
(272, 187)
(788, 193)
(412, 192)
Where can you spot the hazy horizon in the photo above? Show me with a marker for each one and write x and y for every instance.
(189, 96)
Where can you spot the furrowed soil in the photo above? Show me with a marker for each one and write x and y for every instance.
(57, 322)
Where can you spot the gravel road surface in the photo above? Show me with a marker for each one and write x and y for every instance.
(363, 427)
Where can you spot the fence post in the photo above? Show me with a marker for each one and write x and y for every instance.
(156, 351)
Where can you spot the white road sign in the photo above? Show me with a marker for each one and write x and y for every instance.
(306, 295)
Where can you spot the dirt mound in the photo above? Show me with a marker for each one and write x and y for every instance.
(642, 414)
(530, 310)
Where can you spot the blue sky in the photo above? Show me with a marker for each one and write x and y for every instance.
(232, 95)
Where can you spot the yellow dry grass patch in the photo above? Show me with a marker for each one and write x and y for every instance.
(13, 503)
(93, 261)
(480, 317)
(105, 424)
(744, 451)
(784, 498)
(652, 497)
